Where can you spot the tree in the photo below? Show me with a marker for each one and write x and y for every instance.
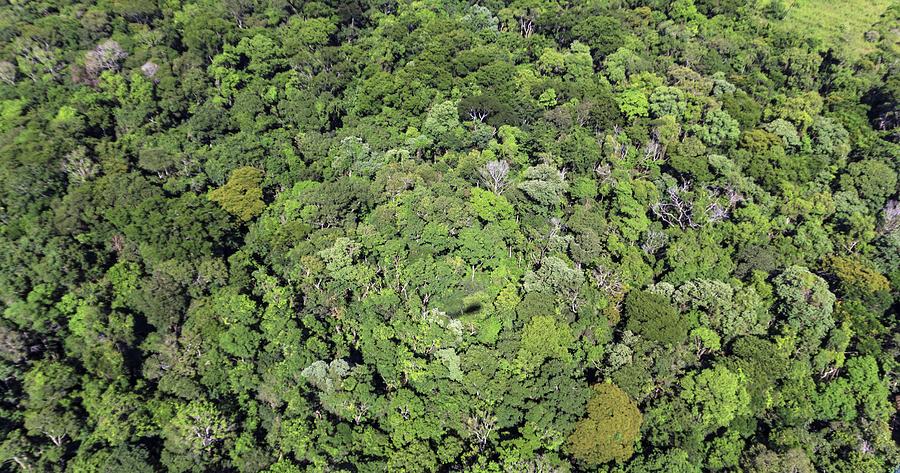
(544, 184)
(105, 57)
(805, 303)
(868, 387)
(872, 180)
(378, 235)
(609, 431)
(603, 34)
(718, 128)
(786, 131)
(555, 275)
(195, 434)
(8, 72)
(794, 459)
(490, 207)
(543, 338)
(669, 101)
(120, 416)
(634, 103)
(51, 412)
(442, 125)
(653, 316)
(134, 10)
(730, 311)
(487, 109)
(716, 395)
(856, 278)
(580, 150)
(495, 176)
(241, 195)
(830, 138)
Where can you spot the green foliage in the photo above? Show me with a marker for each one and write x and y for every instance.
(856, 278)
(442, 125)
(498, 236)
(805, 303)
(634, 103)
(543, 338)
(544, 184)
(794, 459)
(718, 128)
(729, 311)
(197, 429)
(490, 207)
(653, 316)
(868, 388)
(241, 195)
(716, 396)
(554, 275)
(872, 180)
(609, 431)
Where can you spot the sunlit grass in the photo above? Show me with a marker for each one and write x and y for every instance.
(838, 24)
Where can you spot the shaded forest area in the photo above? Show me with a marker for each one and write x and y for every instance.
(463, 236)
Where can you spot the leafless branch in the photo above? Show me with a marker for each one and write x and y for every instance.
(654, 241)
(494, 175)
(481, 425)
(105, 57)
(608, 281)
(674, 208)
(890, 218)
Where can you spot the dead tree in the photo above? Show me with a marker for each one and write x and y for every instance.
(608, 281)
(105, 57)
(675, 208)
(481, 425)
(890, 218)
(495, 175)
(654, 241)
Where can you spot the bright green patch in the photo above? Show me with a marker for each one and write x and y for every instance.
(840, 25)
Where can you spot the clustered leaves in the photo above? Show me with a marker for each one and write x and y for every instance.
(443, 235)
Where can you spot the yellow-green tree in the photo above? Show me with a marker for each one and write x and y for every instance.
(610, 429)
(241, 195)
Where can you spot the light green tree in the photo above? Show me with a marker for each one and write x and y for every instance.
(241, 195)
(716, 396)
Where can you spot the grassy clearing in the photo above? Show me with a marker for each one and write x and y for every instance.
(838, 24)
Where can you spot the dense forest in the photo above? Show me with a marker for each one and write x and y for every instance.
(538, 236)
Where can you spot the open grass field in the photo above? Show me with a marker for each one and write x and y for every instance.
(839, 24)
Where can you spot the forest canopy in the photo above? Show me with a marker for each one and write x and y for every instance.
(498, 236)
